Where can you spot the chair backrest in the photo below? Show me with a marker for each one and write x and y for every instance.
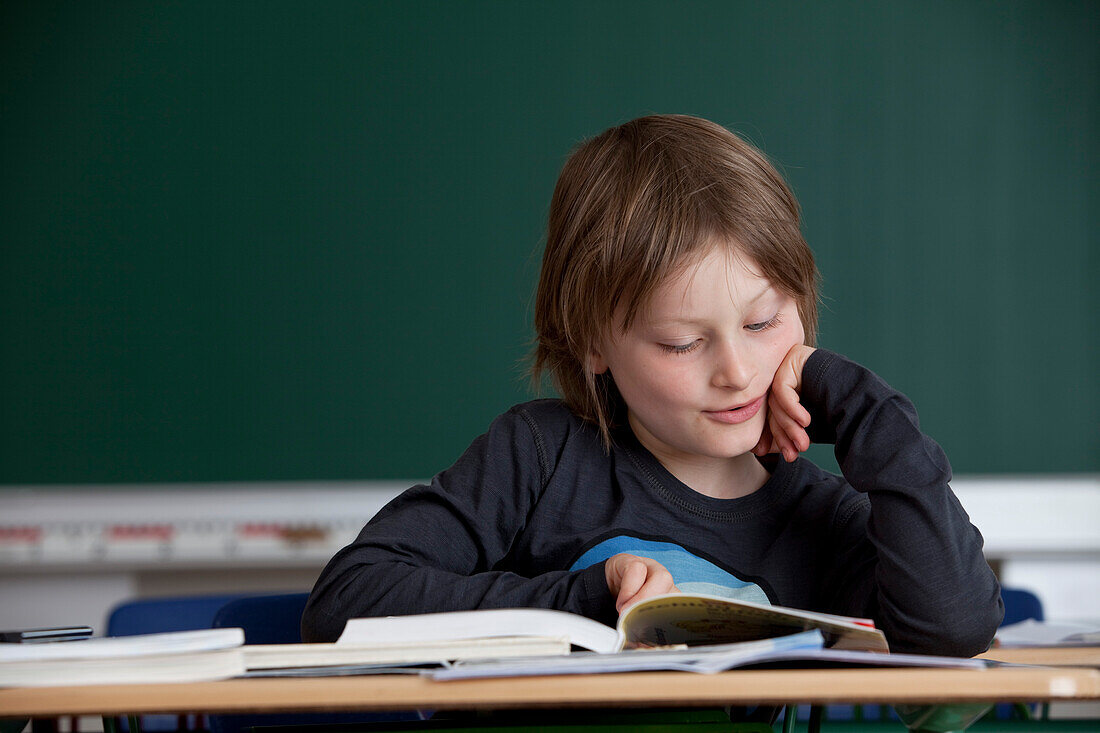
(277, 620)
(152, 615)
(265, 619)
(1020, 605)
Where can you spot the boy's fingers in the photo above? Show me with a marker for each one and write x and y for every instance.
(779, 423)
(784, 448)
(615, 569)
(785, 428)
(794, 433)
(655, 586)
(789, 438)
(793, 443)
(657, 583)
(783, 423)
(634, 577)
(801, 415)
(786, 399)
(641, 579)
(764, 446)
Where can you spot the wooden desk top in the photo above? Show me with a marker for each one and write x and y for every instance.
(644, 689)
(1057, 656)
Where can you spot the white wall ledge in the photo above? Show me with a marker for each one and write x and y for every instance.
(303, 523)
(68, 550)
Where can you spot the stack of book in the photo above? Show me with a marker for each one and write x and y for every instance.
(691, 632)
(179, 656)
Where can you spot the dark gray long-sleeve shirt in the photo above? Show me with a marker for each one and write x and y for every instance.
(526, 517)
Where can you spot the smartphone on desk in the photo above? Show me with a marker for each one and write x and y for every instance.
(41, 636)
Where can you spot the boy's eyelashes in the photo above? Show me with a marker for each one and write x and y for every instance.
(751, 327)
(681, 348)
(765, 325)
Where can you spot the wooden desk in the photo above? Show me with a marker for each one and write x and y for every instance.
(645, 689)
(1055, 656)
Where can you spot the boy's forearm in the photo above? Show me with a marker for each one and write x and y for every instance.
(444, 546)
(395, 588)
(932, 588)
(873, 427)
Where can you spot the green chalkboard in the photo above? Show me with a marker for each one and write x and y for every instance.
(283, 240)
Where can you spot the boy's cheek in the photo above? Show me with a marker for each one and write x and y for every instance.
(782, 347)
(794, 336)
(777, 356)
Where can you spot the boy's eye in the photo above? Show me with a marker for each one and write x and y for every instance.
(680, 348)
(764, 325)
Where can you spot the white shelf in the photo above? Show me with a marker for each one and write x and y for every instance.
(197, 525)
(149, 527)
(89, 547)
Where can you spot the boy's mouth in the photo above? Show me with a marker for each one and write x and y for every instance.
(738, 414)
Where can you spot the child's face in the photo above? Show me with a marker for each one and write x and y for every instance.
(696, 365)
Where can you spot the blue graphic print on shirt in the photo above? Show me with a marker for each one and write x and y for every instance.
(690, 573)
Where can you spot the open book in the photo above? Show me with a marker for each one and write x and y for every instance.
(697, 618)
(673, 619)
(350, 657)
(803, 650)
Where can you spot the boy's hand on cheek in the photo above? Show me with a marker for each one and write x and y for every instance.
(785, 430)
(631, 579)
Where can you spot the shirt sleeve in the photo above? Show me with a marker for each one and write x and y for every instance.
(444, 546)
(914, 563)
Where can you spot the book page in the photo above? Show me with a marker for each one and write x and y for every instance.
(485, 623)
(704, 659)
(282, 656)
(700, 619)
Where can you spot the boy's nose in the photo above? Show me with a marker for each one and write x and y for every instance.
(732, 369)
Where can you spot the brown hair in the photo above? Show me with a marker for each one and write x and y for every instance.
(634, 206)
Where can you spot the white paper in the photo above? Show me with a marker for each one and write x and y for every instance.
(705, 659)
(1030, 632)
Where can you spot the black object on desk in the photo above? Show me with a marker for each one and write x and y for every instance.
(41, 636)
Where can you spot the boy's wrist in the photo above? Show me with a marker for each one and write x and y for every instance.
(815, 395)
(597, 602)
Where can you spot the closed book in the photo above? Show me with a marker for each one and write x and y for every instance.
(179, 656)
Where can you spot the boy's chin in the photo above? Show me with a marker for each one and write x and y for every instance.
(741, 449)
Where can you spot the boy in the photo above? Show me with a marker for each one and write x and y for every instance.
(676, 311)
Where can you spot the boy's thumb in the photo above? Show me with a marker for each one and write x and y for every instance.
(633, 579)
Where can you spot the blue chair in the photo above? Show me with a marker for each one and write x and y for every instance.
(153, 615)
(276, 619)
(1020, 605)
(265, 619)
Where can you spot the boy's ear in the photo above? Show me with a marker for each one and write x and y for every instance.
(596, 362)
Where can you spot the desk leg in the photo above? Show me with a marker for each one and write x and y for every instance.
(815, 718)
(790, 718)
(941, 718)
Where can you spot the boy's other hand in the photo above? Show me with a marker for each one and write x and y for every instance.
(785, 430)
(631, 579)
